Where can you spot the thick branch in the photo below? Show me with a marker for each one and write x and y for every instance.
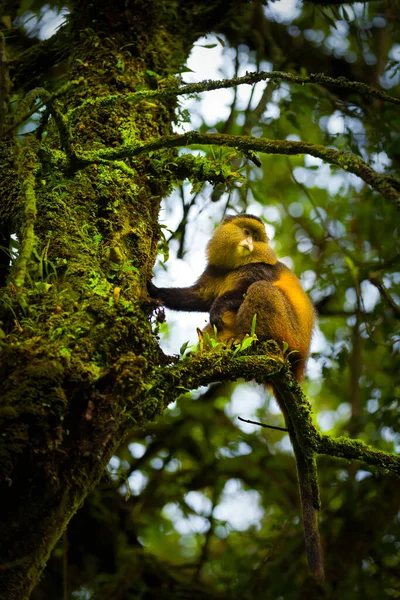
(199, 168)
(219, 365)
(348, 162)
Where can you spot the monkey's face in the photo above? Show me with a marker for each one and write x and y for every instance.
(238, 241)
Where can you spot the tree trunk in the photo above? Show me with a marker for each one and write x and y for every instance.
(77, 352)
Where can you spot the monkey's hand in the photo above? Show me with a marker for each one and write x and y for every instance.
(154, 294)
(152, 289)
(230, 301)
(216, 318)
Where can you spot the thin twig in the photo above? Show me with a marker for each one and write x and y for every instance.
(249, 79)
(263, 424)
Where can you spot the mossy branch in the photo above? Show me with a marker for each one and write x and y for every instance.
(203, 368)
(272, 367)
(348, 162)
(199, 169)
(208, 85)
(5, 82)
(62, 126)
(25, 112)
(351, 449)
(27, 168)
(317, 78)
(311, 440)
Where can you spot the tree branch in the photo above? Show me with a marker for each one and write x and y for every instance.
(319, 78)
(47, 99)
(351, 449)
(345, 160)
(27, 168)
(200, 169)
(208, 85)
(266, 363)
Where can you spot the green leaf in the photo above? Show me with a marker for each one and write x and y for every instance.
(352, 268)
(207, 338)
(236, 350)
(247, 342)
(346, 15)
(183, 348)
(326, 16)
(253, 326)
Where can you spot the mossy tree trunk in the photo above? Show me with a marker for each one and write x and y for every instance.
(77, 352)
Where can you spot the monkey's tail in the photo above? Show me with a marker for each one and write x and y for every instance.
(310, 506)
(309, 496)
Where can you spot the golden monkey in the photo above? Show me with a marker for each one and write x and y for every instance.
(244, 278)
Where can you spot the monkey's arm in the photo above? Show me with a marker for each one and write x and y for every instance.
(230, 301)
(189, 298)
(241, 280)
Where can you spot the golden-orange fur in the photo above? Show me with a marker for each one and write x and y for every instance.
(284, 312)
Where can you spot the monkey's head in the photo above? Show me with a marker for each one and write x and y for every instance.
(240, 240)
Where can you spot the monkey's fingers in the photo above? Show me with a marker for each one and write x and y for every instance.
(217, 322)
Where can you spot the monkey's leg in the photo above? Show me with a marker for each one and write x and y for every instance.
(227, 334)
(226, 305)
(276, 320)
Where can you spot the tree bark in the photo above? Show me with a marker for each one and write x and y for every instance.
(77, 351)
